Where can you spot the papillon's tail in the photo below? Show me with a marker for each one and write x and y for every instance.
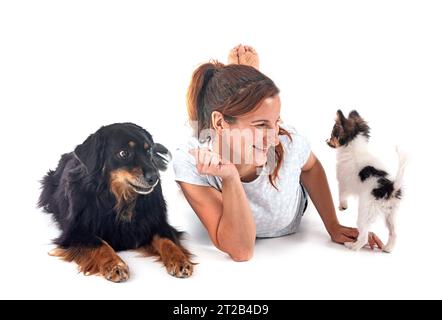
(400, 173)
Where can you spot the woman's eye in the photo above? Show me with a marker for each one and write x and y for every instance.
(123, 154)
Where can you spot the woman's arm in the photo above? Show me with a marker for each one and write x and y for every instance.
(226, 215)
(236, 232)
(314, 179)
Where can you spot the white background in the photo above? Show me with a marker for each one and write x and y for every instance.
(68, 67)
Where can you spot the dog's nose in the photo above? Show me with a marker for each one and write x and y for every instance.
(151, 178)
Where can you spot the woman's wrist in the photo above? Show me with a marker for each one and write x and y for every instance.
(231, 176)
(332, 226)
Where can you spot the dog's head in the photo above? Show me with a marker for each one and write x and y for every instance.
(347, 129)
(126, 156)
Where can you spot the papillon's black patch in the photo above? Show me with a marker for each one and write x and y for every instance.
(370, 171)
(384, 190)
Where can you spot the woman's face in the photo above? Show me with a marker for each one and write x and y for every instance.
(250, 137)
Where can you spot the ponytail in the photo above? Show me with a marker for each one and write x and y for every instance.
(198, 110)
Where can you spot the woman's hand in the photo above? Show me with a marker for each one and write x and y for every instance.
(341, 234)
(211, 163)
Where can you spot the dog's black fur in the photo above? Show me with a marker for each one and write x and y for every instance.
(79, 192)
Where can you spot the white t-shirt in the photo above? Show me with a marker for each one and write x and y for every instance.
(276, 212)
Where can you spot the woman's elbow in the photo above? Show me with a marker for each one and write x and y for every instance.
(238, 252)
(238, 255)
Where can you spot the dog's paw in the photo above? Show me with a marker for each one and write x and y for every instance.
(117, 273)
(343, 205)
(57, 252)
(355, 246)
(388, 248)
(180, 268)
(349, 245)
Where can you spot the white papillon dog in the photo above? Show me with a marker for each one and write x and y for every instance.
(361, 174)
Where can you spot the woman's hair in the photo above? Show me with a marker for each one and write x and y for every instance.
(233, 90)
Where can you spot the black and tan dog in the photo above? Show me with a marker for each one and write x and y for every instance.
(106, 197)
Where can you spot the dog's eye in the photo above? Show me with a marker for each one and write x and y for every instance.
(123, 154)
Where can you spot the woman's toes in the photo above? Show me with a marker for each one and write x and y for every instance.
(241, 50)
(248, 56)
(233, 56)
(252, 50)
(245, 55)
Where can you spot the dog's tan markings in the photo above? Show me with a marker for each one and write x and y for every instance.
(101, 260)
(333, 142)
(136, 172)
(124, 194)
(119, 186)
(146, 146)
(132, 144)
(175, 258)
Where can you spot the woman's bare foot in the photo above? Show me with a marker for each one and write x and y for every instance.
(233, 56)
(244, 55)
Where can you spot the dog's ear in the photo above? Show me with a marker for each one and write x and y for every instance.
(354, 114)
(161, 156)
(91, 153)
(340, 118)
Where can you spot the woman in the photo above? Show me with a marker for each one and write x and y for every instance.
(244, 173)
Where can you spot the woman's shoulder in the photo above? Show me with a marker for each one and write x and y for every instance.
(181, 154)
(184, 164)
(295, 144)
(294, 138)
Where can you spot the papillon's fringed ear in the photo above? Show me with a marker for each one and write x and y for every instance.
(161, 156)
(91, 153)
(354, 114)
(340, 117)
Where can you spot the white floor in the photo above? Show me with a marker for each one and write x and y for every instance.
(301, 266)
